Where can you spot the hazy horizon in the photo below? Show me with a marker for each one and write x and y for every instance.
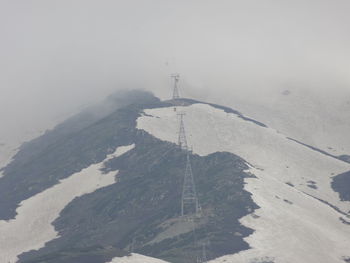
(59, 56)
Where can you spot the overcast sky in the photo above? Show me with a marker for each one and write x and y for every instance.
(58, 55)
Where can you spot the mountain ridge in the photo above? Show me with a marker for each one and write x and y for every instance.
(151, 175)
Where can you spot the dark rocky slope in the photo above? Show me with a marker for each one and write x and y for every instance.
(142, 209)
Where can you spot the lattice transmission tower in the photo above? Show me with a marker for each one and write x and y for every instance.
(189, 201)
(176, 94)
(203, 257)
(182, 140)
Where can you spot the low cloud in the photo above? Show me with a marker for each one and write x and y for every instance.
(59, 56)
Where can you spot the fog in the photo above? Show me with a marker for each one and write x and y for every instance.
(59, 56)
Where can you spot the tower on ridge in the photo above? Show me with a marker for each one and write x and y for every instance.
(176, 94)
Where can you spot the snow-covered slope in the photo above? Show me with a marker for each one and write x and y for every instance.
(10, 146)
(32, 228)
(136, 258)
(299, 215)
(6, 154)
(12, 137)
(318, 117)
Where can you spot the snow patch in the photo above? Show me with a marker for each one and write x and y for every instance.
(290, 225)
(304, 231)
(32, 227)
(314, 116)
(10, 145)
(120, 151)
(136, 258)
(6, 155)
